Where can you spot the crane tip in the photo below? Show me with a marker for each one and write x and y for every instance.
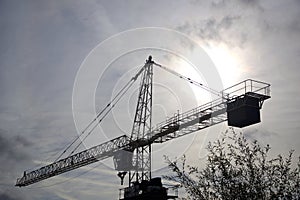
(149, 59)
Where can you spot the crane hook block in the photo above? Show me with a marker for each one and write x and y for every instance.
(122, 176)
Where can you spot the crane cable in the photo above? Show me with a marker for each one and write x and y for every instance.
(110, 105)
(215, 92)
(125, 88)
(101, 119)
(89, 125)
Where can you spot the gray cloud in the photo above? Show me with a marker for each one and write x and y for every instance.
(6, 197)
(216, 30)
(262, 135)
(11, 147)
(245, 3)
(44, 42)
(14, 156)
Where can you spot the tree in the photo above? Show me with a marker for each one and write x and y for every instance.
(237, 168)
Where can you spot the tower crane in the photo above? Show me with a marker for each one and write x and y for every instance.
(239, 104)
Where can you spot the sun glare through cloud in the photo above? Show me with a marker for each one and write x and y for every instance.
(227, 64)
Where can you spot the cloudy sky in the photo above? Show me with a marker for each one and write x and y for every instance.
(45, 46)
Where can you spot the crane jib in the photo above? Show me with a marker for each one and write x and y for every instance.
(75, 161)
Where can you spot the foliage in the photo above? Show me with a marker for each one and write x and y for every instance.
(238, 169)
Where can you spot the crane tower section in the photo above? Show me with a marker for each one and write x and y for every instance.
(141, 126)
(137, 158)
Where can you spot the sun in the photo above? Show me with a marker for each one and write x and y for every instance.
(225, 61)
(227, 64)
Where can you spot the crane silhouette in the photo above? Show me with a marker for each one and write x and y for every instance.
(239, 104)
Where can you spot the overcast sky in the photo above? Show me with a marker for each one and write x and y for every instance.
(45, 45)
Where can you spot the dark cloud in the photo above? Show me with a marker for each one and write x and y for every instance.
(225, 3)
(13, 156)
(13, 151)
(216, 30)
(6, 197)
(232, 22)
(221, 4)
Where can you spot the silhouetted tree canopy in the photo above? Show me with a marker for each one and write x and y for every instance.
(239, 169)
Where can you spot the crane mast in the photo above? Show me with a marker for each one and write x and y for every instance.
(239, 104)
(142, 126)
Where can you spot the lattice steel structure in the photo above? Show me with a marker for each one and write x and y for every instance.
(75, 161)
(239, 105)
(141, 126)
